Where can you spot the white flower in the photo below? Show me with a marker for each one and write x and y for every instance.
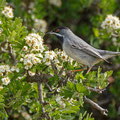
(60, 102)
(40, 25)
(20, 77)
(58, 98)
(47, 61)
(14, 68)
(36, 47)
(7, 68)
(21, 59)
(5, 80)
(25, 48)
(1, 87)
(4, 69)
(17, 70)
(8, 12)
(31, 73)
(0, 22)
(26, 116)
(39, 55)
(36, 60)
(28, 64)
(111, 22)
(57, 3)
(50, 54)
(64, 56)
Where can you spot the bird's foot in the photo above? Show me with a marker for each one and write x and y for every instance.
(89, 70)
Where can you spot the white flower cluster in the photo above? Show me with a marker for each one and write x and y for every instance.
(60, 101)
(30, 60)
(35, 41)
(111, 22)
(40, 24)
(8, 12)
(14, 68)
(57, 3)
(49, 55)
(5, 80)
(4, 69)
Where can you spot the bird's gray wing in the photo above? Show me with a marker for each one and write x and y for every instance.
(87, 49)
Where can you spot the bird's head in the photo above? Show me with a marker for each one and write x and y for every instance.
(59, 32)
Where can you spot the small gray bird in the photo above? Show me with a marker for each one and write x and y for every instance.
(79, 50)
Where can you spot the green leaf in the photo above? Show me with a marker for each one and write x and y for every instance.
(80, 88)
(71, 85)
(96, 32)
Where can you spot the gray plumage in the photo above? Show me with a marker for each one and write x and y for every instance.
(79, 50)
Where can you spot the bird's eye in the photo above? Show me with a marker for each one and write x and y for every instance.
(57, 30)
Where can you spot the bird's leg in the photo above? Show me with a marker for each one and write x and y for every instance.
(78, 70)
(89, 70)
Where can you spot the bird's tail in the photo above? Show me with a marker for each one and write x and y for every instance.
(108, 54)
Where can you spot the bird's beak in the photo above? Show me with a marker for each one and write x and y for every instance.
(54, 33)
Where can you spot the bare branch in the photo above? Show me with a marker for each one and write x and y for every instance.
(11, 54)
(96, 106)
(95, 89)
(40, 94)
(2, 47)
(54, 67)
(3, 43)
(40, 77)
(61, 71)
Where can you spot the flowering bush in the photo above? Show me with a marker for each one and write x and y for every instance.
(38, 83)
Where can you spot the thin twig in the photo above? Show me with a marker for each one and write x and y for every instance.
(49, 88)
(40, 94)
(95, 89)
(54, 67)
(3, 43)
(61, 71)
(96, 106)
(11, 54)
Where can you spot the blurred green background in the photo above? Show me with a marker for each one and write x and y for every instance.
(84, 18)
